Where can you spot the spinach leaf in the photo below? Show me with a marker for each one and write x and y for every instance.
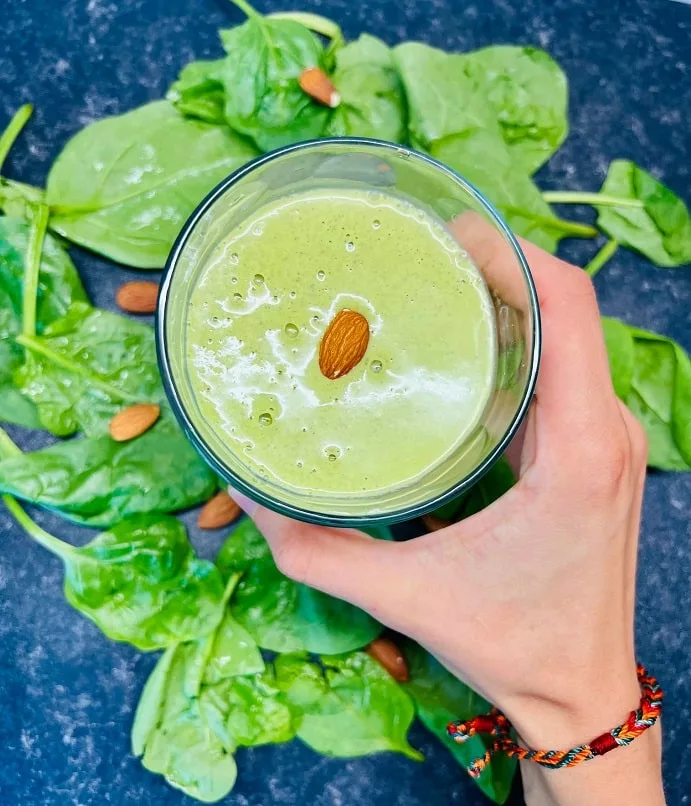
(97, 481)
(59, 288)
(282, 615)
(198, 93)
(84, 367)
(356, 709)
(652, 375)
(139, 582)
(150, 706)
(498, 480)
(439, 699)
(660, 229)
(449, 117)
(528, 92)
(177, 741)
(372, 98)
(124, 186)
(263, 99)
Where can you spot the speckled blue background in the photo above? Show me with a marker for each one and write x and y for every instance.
(67, 693)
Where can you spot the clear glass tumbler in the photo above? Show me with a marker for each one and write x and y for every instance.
(360, 164)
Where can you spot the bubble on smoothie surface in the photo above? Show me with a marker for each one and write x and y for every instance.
(258, 279)
(321, 275)
(291, 330)
(235, 258)
(376, 366)
(265, 418)
(376, 223)
(350, 246)
(332, 452)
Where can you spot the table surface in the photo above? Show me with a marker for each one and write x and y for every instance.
(67, 693)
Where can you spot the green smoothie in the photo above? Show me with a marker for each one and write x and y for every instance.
(262, 303)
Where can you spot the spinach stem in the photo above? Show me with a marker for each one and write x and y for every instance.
(231, 584)
(8, 450)
(32, 268)
(246, 8)
(595, 199)
(37, 533)
(315, 22)
(36, 346)
(13, 129)
(601, 258)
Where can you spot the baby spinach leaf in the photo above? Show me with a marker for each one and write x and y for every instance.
(528, 92)
(283, 615)
(372, 98)
(652, 375)
(124, 186)
(660, 229)
(198, 93)
(364, 711)
(234, 652)
(449, 117)
(440, 698)
(139, 582)
(59, 288)
(263, 99)
(150, 706)
(84, 367)
(190, 756)
(97, 481)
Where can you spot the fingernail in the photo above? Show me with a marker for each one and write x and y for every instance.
(247, 505)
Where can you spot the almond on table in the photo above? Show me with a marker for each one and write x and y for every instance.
(218, 512)
(139, 296)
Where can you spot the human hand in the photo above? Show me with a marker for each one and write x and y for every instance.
(531, 600)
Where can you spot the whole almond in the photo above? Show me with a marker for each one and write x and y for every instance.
(318, 85)
(133, 421)
(434, 523)
(139, 296)
(343, 344)
(385, 652)
(218, 511)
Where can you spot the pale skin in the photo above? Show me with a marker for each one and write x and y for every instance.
(530, 601)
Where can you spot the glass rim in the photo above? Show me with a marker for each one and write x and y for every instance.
(271, 502)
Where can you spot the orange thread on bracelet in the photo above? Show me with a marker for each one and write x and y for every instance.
(495, 724)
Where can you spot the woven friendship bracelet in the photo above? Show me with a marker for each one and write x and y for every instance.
(497, 725)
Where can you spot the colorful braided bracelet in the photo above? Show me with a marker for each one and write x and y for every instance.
(495, 724)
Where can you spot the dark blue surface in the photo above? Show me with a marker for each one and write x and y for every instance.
(67, 693)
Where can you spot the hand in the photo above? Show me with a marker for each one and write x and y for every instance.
(531, 600)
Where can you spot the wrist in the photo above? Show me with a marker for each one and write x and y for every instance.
(586, 709)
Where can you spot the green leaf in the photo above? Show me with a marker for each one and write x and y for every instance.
(141, 583)
(652, 375)
(363, 711)
(150, 706)
(661, 229)
(282, 615)
(198, 93)
(450, 117)
(59, 288)
(257, 712)
(234, 652)
(85, 367)
(184, 749)
(263, 99)
(98, 481)
(439, 699)
(124, 186)
(372, 98)
(528, 92)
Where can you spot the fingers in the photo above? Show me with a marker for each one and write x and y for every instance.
(348, 564)
(574, 389)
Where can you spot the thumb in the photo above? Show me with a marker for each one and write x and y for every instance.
(345, 563)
